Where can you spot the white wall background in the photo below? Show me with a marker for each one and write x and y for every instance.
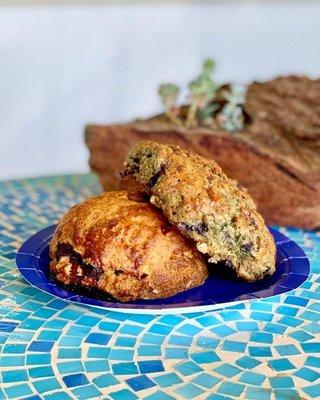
(66, 65)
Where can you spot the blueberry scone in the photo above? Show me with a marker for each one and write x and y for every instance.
(121, 245)
(205, 205)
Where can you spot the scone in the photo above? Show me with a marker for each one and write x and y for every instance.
(120, 244)
(205, 205)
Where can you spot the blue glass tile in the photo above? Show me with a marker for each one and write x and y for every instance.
(189, 330)
(234, 346)
(205, 357)
(87, 392)
(222, 330)
(124, 341)
(285, 394)
(205, 380)
(301, 336)
(261, 316)
(75, 380)
(275, 328)
(128, 368)
(287, 310)
(98, 338)
(149, 351)
(14, 348)
(176, 353)
(287, 350)
(216, 396)
(313, 327)
(159, 395)
(46, 385)
(312, 391)
(298, 301)
(69, 353)
(56, 323)
(105, 380)
(228, 315)
(34, 359)
(311, 347)
(6, 326)
(14, 376)
(290, 321)
(281, 382)
(40, 346)
(34, 397)
(188, 368)
(281, 365)
(78, 330)
(97, 366)
(171, 319)
(312, 361)
(70, 314)
(256, 393)
(70, 341)
(208, 320)
(160, 329)
(260, 351)
(124, 394)
(232, 389)
(18, 391)
(227, 370)
(12, 361)
(58, 396)
(133, 330)
(307, 374)
(261, 337)
(261, 306)
(99, 352)
(41, 372)
(189, 391)
(70, 366)
(252, 378)
(247, 326)
(121, 354)
(141, 318)
(44, 313)
(147, 367)
(150, 338)
(47, 334)
(207, 342)
(167, 380)
(180, 340)
(141, 382)
(247, 362)
(87, 320)
(109, 326)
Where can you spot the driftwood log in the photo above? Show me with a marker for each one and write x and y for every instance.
(276, 156)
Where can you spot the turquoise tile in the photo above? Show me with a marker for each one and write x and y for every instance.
(287, 350)
(121, 354)
(253, 378)
(222, 330)
(99, 352)
(189, 330)
(41, 372)
(257, 393)
(189, 391)
(307, 374)
(12, 361)
(180, 340)
(232, 389)
(247, 362)
(58, 396)
(78, 331)
(285, 394)
(124, 394)
(97, 366)
(14, 376)
(205, 380)
(87, 392)
(188, 368)
(44, 313)
(141, 318)
(70, 367)
(312, 391)
(48, 334)
(124, 341)
(14, 348)
(150, 338)
(159, 395)
(260, 351)
(69, 353)
(167, 380)
(171, 319)
(133, 330)
(287, 310)
(109, 326)
(261, 337)
(205, 357)
(281, 365)
(18, 391)
(70, 341)
(176, 353)
(208, 320)
(311, 347)
(290, 321)
(207, 342)
(216, 396)
(149, 350)
(70, 314)
(31, 324)
(281, 382)
(105, 380)
(227, 370)
(247, 326)
(160, 329)
(301, 336)
(34, 359)
(261, 316)
(46, 385)
(127, 368)
(56, 323)
(234, 346)
(312, 361)
(228, 315)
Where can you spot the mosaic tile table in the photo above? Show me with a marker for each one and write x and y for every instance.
(53, 350)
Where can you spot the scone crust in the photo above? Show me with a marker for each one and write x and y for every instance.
(122, 245)
(205, 205)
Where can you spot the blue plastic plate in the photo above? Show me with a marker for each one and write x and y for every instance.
(292, 269)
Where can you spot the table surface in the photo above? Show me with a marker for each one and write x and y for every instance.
(53, 350)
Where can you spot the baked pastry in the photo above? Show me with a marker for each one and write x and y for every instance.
(276, 155)
(119, 244)
(205, 205)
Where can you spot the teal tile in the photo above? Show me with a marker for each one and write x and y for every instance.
(205, 357)
(34, 359)
(133, 330)
(49, 334)
(149, 351)
(125, 368)
(301, 336)
(189, 391)
(312, 390)
(188, 368)
(150, 338)
(312, 361)
(253, 378)
(260, 351)
(227, 370)
(109, 326)
(176, 353)
(105, 380)
(261, 337)
(307, 374)
(285, 394)
(87, 392)
(121, 354)
(12, 361)
(41, 372)
(222, 330)
(275, 328)
(281, 365)
(160, 329)
(180, 340)
(97, 366)
(70, 367)
(208, 320)
(70, 341)
(14, 348)
(14, 376)
(78, 331)
(234, 346)
(232, 389)
(99, 352)
(189, 330)
(69, 353)
(70, 314)
(171, 319)
(125, 341)
(278, 382)
(124, 394)
(18, 391)
(46, 385)
(257, 393)
(58, 396)
(247, 326)
(287, 350)
(89, 321)
(207, 342)
(56, 323)
(159, 395)
(205, 380)
(246, 362)
(167, 380)
(261, 316)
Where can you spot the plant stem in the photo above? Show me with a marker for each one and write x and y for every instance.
(174, 119)
(191, 115)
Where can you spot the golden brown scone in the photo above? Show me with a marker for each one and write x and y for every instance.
(205, 205)
(120, 244)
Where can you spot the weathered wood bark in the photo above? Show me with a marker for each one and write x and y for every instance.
(276, 157)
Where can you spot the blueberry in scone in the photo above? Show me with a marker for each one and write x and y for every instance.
(205, 205)
(121, 245)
